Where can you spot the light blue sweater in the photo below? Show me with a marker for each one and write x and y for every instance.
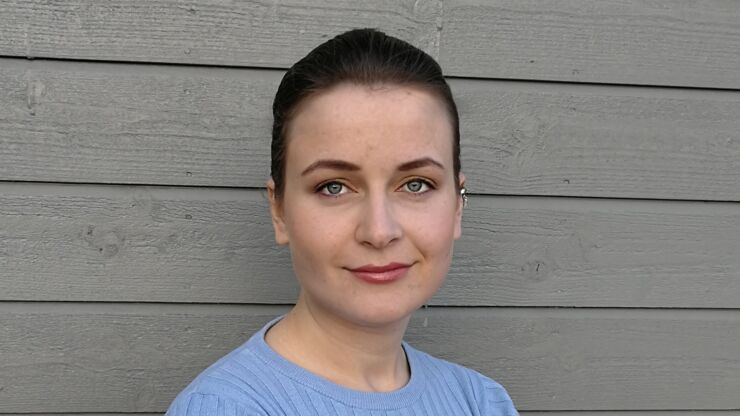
(255, 380)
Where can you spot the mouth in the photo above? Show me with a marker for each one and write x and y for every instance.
(381, 274)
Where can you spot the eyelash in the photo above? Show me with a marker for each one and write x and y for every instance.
(323, 186)
(429, 185)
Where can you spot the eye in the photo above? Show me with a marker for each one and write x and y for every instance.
(332, 189)
(417, 186)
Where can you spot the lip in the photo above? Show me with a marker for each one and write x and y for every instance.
(381, 274)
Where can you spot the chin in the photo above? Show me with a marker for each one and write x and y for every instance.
(376, 316)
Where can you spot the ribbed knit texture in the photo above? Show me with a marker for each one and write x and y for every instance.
(255, 380)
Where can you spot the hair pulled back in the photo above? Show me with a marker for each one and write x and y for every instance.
(364, 57)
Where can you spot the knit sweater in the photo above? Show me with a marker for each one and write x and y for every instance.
(255, 380)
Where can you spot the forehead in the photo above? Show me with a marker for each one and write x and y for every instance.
(363, 123)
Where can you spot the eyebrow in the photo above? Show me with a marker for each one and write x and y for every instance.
(347, 166)
(330, 164)
(420, 163)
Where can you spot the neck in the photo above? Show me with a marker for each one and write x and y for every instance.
(365, 358)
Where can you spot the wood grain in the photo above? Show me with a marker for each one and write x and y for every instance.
(104, 123)
(133, 124)
(160, 244)
(613, 142)
(254, 33)
(679, 43)
(140, 243)
(134, 358)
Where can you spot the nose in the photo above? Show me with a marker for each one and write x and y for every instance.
(378, 226)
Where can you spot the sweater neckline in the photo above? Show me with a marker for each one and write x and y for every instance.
(403, 397)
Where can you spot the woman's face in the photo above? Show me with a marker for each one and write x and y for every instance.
(370, 207)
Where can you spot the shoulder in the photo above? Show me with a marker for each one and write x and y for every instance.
(195, 403)
(488, 395)
(235, 385)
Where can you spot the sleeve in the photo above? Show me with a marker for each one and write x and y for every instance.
(199, 404)
(496, 401)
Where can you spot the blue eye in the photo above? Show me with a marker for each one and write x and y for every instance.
(417, 186)
(332, 189)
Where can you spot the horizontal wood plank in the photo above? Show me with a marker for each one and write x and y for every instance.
(129, 124)
(680, 43)
(105, 123)
(685, 42)
(141, 244)
(112, 358)
(253, 33)
(160, 244)
(134, 358)
(627, 142)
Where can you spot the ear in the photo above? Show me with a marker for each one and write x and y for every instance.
(459, 211)
(276, 211)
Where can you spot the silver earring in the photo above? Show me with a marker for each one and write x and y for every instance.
(464, 195)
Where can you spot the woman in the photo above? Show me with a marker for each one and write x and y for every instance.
(366, 191)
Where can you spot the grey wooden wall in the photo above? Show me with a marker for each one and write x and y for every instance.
(599, 270)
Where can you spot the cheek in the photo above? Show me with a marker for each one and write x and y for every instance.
(314, 237)
(433, 230)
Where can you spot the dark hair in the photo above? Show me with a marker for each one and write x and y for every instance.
(360, 56)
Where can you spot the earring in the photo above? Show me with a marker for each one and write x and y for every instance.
(426, 318)
(464, 195)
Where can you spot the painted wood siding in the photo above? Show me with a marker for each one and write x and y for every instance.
(599, 270)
